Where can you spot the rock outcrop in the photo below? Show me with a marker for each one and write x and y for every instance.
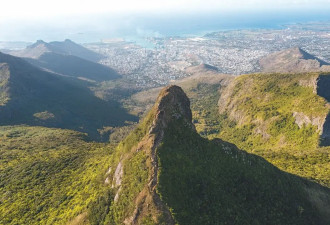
(259, 93)
(323, 90)
(172, 104)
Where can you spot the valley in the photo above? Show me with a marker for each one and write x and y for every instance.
(221, 129)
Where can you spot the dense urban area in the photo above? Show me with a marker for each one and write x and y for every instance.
(231, 52)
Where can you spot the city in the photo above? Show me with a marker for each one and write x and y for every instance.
(231, 52)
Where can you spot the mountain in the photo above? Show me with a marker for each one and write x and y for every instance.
(281, 117)
(32, 96)
(165, 173)
(161, 173)
(71, 48)
(67, 58)
(66, 47)
(201, 85)
(202, 69)
(74, 66)
(293, 60)
(323, 84)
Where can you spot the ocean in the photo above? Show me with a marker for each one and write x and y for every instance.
(138, 27)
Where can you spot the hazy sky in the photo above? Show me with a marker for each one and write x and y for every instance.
(48, 19)
(15, 9)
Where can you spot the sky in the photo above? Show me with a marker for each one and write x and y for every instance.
(17, 9)
(30, 19)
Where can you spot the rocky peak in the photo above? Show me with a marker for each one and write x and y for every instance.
(172, 104)
(38, 42)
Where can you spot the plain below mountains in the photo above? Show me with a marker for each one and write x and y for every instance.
(67, 58)
(29, 95)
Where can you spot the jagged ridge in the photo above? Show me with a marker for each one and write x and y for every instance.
(67, 58)
(168, 174)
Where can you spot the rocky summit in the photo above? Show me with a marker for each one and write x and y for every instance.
(166, 173)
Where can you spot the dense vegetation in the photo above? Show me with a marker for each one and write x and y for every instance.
(208, 182)
(54, 176)
(39, 98)
(49, 176)
(264, 105)
(135, 172)
(212, 182)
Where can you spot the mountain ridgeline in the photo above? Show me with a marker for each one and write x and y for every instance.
(66, 47)
(166, 173)
(29, 95)
(293, 60)
(323, 84)
(67, 58)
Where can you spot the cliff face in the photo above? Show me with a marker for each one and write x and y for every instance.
(268, 100)
(4, 78)
(323, 90)
(167, 174)
(145, 204)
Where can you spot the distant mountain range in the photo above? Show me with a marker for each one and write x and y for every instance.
(67, 58)
(293, 60)
(66, 47)
(29, 95)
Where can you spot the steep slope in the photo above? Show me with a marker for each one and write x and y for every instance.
(323, 90)
(33, 51)
(66, 47)
(74, 66)
(4, 76)
(167, 174)
(67, 58)
(32, 96)
(280, 117)
(69, 47)
(48, 175)
(293, 60)
(202, 69)
(202, 85)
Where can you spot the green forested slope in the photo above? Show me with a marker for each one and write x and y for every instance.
(165, 173)
(48, 176)
(201, 181)
(212, 182)
(35, 97)
(257, 114)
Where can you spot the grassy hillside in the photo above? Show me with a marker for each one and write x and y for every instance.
(49, 176)
(74, 66)
(257, 114)
(201, 181)
(36, 97)
(161, 173)
(212, 182)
